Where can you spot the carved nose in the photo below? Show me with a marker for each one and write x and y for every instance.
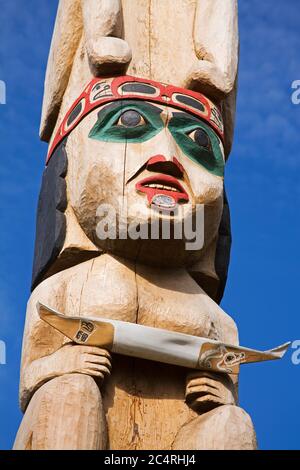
(160, 164)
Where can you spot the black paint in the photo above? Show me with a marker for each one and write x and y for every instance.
(188, 101)
(51, 221)
(202, 139)
(124, 103)
(131, 118)
(222, 258)
(74, 114)
(139, 88)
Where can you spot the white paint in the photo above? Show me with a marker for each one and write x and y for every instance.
(156, 344)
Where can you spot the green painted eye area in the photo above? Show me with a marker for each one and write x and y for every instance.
(127, 121)
(198, 142)
(135, 121)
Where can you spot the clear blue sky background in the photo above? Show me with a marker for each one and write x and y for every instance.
(262, 183)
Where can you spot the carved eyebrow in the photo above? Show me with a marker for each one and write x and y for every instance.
(139, 88)
(125, 103)
(191, 102)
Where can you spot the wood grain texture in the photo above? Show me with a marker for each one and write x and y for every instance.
(139, 36)
(142, 24)
(140, 396)
(65, 413)
(65, 41)
(78, 398)
(108, 53)
(225, 428)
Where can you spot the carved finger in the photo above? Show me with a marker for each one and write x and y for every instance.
(204, 403)
(204, 381)
(207, 399)
(92, 358)
(202, 390)
(95, 351)
(98, 367)
(203, 387)
(93, 373)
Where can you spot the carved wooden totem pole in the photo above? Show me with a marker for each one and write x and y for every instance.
(125, 345)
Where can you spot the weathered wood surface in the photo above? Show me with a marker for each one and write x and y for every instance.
(75, 398)
(144, 402)
(189, 43)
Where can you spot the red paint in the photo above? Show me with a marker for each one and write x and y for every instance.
(161, 159)
(156, 159)
(111, 93)
(167, 180)
(180, 167)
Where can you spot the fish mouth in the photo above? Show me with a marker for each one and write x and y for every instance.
(162, 190)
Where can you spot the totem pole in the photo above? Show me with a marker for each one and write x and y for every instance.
(125, 345)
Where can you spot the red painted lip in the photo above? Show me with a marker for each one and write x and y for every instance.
(178, 193)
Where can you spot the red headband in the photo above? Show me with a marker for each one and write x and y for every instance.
(104, 90)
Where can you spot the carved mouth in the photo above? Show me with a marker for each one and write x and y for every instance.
(163, 190)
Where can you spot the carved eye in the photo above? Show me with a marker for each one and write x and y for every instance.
(200, 137)
(131, 118)
(229, 358)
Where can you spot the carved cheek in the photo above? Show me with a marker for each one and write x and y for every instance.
(206, 187)
(96, 172)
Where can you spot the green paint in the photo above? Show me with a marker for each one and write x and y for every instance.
(106, 129)
(180, 125)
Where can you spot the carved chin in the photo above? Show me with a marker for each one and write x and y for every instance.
(156, 252)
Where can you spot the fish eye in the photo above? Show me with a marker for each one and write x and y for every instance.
(131, 118)
(229, 358)
(200, 137)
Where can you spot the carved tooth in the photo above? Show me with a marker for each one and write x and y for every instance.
(161, 186)
(170, 188)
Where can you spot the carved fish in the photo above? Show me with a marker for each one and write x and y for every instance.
(156, 344)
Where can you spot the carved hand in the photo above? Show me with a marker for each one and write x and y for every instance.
(70, 358)
(74, 358)
(207, 390)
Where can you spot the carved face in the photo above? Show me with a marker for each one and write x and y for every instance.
(146, 161)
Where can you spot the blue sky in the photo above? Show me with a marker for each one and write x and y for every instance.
(262, 183)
